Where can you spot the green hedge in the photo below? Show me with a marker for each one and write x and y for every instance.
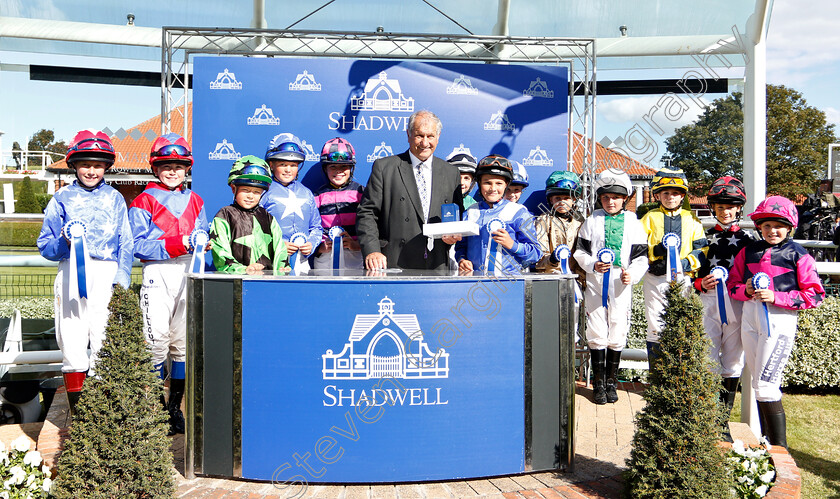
(17, 233)
(31, 307)
(814, 362)
(43, 200)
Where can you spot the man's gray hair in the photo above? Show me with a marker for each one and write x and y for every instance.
(425, 113)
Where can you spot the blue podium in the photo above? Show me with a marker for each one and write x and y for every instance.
(390, 378)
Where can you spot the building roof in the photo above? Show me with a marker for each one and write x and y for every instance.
(133, 145)
(605, 157)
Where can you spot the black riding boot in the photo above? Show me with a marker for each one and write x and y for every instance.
(727, 398)
(598, 359)
(654, 350)
(176, 417)
(773, 417)
(613, 360)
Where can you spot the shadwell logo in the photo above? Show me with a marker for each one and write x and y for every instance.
(538, 157)
(225, 150)
(305, 82)
(499, 121)
(461, 86)
(379, 151)
(376, 347)
(539, 88)
(311, 155)
(263, 116)
(382, 94)
(226, 81)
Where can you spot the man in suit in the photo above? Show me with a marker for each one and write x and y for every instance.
(404, 192)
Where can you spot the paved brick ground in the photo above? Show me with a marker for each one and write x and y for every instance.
(603, 438)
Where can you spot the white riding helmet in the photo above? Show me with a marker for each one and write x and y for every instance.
(613, 181)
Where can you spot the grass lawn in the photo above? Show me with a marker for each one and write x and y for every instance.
(813, 434)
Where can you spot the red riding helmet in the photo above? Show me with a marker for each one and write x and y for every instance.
(727, 190)
(171, 148)
(90, 145)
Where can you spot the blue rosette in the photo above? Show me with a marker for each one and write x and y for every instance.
(671, 241)
(562, 253)
(198, 241)
(606, 255)
(335, 238)
(760, 280)
(298, 239)
(75, 231)
(721, 274)
(493, 256)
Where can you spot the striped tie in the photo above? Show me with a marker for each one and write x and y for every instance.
(423, 190)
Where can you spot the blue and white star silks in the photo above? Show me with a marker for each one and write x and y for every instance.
(294, 208)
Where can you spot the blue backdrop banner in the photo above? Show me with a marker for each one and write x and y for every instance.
(423, 383)
(239, 104)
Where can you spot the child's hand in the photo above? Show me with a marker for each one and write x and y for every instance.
(306, 248)
(254, 269)
(291, 249)
(350, 243)
(625, 277)
(750, 290)
(325, 247)
(465, 267)
(186, 242)
(709, 282)
(502, 237)
(451, 239)
(602, 267)
(764, 295)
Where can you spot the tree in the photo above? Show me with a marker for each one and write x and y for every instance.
(118, 445)
(26, 202)
(675, 452)
(798, 136)
(44, 140)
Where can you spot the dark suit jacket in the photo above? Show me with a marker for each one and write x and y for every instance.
(390, 217)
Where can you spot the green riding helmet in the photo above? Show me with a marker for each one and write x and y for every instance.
(251, 171)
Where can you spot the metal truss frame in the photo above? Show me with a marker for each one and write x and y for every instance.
(181, 43)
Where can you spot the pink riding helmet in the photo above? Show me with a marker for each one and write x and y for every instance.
(777, 208)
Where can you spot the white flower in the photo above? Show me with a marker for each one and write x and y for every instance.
(18, 475)
(4, 457)
(761, 491)
(4, 494)
(21, 443)
(738, 447)
(47, 484)
(746, 465)
(742, 478)
(32, 458)
(767, 477)
(29, 480)
(45, 470)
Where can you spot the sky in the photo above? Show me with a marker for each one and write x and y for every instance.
(802, 52)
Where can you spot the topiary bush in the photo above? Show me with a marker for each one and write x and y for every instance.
(118, 445)
(43, 201)
(26, 202)
(675, 452)
(815, 359)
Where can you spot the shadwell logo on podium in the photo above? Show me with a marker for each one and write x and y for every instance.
(499, 121)
(376, 347)
(226, 81)
(311, 155)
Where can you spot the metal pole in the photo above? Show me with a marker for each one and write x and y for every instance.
(755, 157)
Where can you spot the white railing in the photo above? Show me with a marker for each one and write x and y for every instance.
(28, 160)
